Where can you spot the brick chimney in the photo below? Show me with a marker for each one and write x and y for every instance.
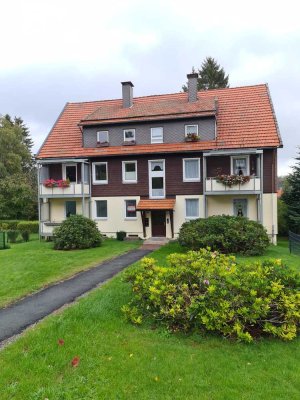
(127, 94)
(192, 87)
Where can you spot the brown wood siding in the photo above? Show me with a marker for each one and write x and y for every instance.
(221, 165)
(173, 177)
(55, 172)
(270, 168)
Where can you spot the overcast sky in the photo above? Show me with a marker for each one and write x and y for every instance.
(58, 51)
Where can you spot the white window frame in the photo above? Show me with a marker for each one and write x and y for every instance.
(191, 198)
(186, 126)
(247, 163)
(157, 174)
(125, 210)
(98, 132)
(97, 182)
(185, 179)
(153, 141)
(101, 218)
(126, 130)
(64, 171)
(124, 180)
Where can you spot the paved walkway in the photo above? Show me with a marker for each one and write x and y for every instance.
(15, 318)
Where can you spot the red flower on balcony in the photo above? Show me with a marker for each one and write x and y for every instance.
(61, 183)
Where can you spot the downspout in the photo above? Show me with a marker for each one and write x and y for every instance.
(82, 188)
(39, 204)
(204, 186)
(261, 187)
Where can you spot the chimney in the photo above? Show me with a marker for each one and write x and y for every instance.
(127, 94)
(192, 87)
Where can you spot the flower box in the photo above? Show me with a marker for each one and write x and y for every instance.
(102, 144)
(232, 180)
(129, 143)
(61, 183)
(192, 137)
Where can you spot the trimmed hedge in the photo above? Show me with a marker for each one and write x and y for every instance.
(31, 226)
(209, 291)
(226, 234)
(77, 232)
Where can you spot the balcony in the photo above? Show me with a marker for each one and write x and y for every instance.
(212, 186)
(73, 190)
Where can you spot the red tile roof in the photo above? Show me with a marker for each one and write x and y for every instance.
(163, 204)
(245, 118)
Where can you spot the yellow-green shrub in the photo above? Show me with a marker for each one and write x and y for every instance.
(206, 290)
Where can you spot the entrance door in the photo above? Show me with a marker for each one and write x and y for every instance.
(158, 220)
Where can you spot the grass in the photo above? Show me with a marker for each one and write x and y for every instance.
(27, 267)
(121, 361)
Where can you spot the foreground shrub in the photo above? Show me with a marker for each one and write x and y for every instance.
(209, 291)
(77, 232)
(225, 234)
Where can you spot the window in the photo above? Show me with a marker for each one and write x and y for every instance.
(70, 208)
(191, 208)
(100, 173)
(101, 209)
(240, 207)
(102, 137)
(191, 130)
(157, 178)
(191, 169)
(129, 169)
(157, 135)
(129, 135)
(130, 209)
(70, 172)
(240, 165)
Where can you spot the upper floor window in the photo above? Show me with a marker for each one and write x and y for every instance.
(157, 178)
(70, 172)
(157, 135)
(191, 130)
(129, 171)
(100, 173)
(102, 137)
(191, 169)
(240, 165)
(129, 135)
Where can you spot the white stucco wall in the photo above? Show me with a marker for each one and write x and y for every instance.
(218, 205)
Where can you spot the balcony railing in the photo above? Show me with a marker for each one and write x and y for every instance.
(75, 189)
(213, 186)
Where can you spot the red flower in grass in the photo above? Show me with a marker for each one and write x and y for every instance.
(60, 342)
(75, 362)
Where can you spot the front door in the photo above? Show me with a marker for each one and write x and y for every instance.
(158, 221)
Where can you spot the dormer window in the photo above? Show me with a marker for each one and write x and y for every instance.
(191, 130)
(129, 135)
(102, 137)
(157, 135)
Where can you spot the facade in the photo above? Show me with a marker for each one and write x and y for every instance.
(146, 165)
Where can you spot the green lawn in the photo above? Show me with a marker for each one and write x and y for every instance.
(28, 267)
(121, 361)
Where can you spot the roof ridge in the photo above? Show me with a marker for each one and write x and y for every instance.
(167, 94)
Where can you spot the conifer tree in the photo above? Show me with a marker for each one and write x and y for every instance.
(291, 196)
(211, 76)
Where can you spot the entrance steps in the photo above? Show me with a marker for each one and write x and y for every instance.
(154, 243)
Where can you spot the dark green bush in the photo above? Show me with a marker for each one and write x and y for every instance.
(121, 235)
(77, 232)
(226, 234)
(210, 291)
(12, 235)
(25, 235)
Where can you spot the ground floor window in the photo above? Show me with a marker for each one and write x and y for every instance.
(240, 207)
(130, 209)
(192, 208)
(70, 208)
(101, 209)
